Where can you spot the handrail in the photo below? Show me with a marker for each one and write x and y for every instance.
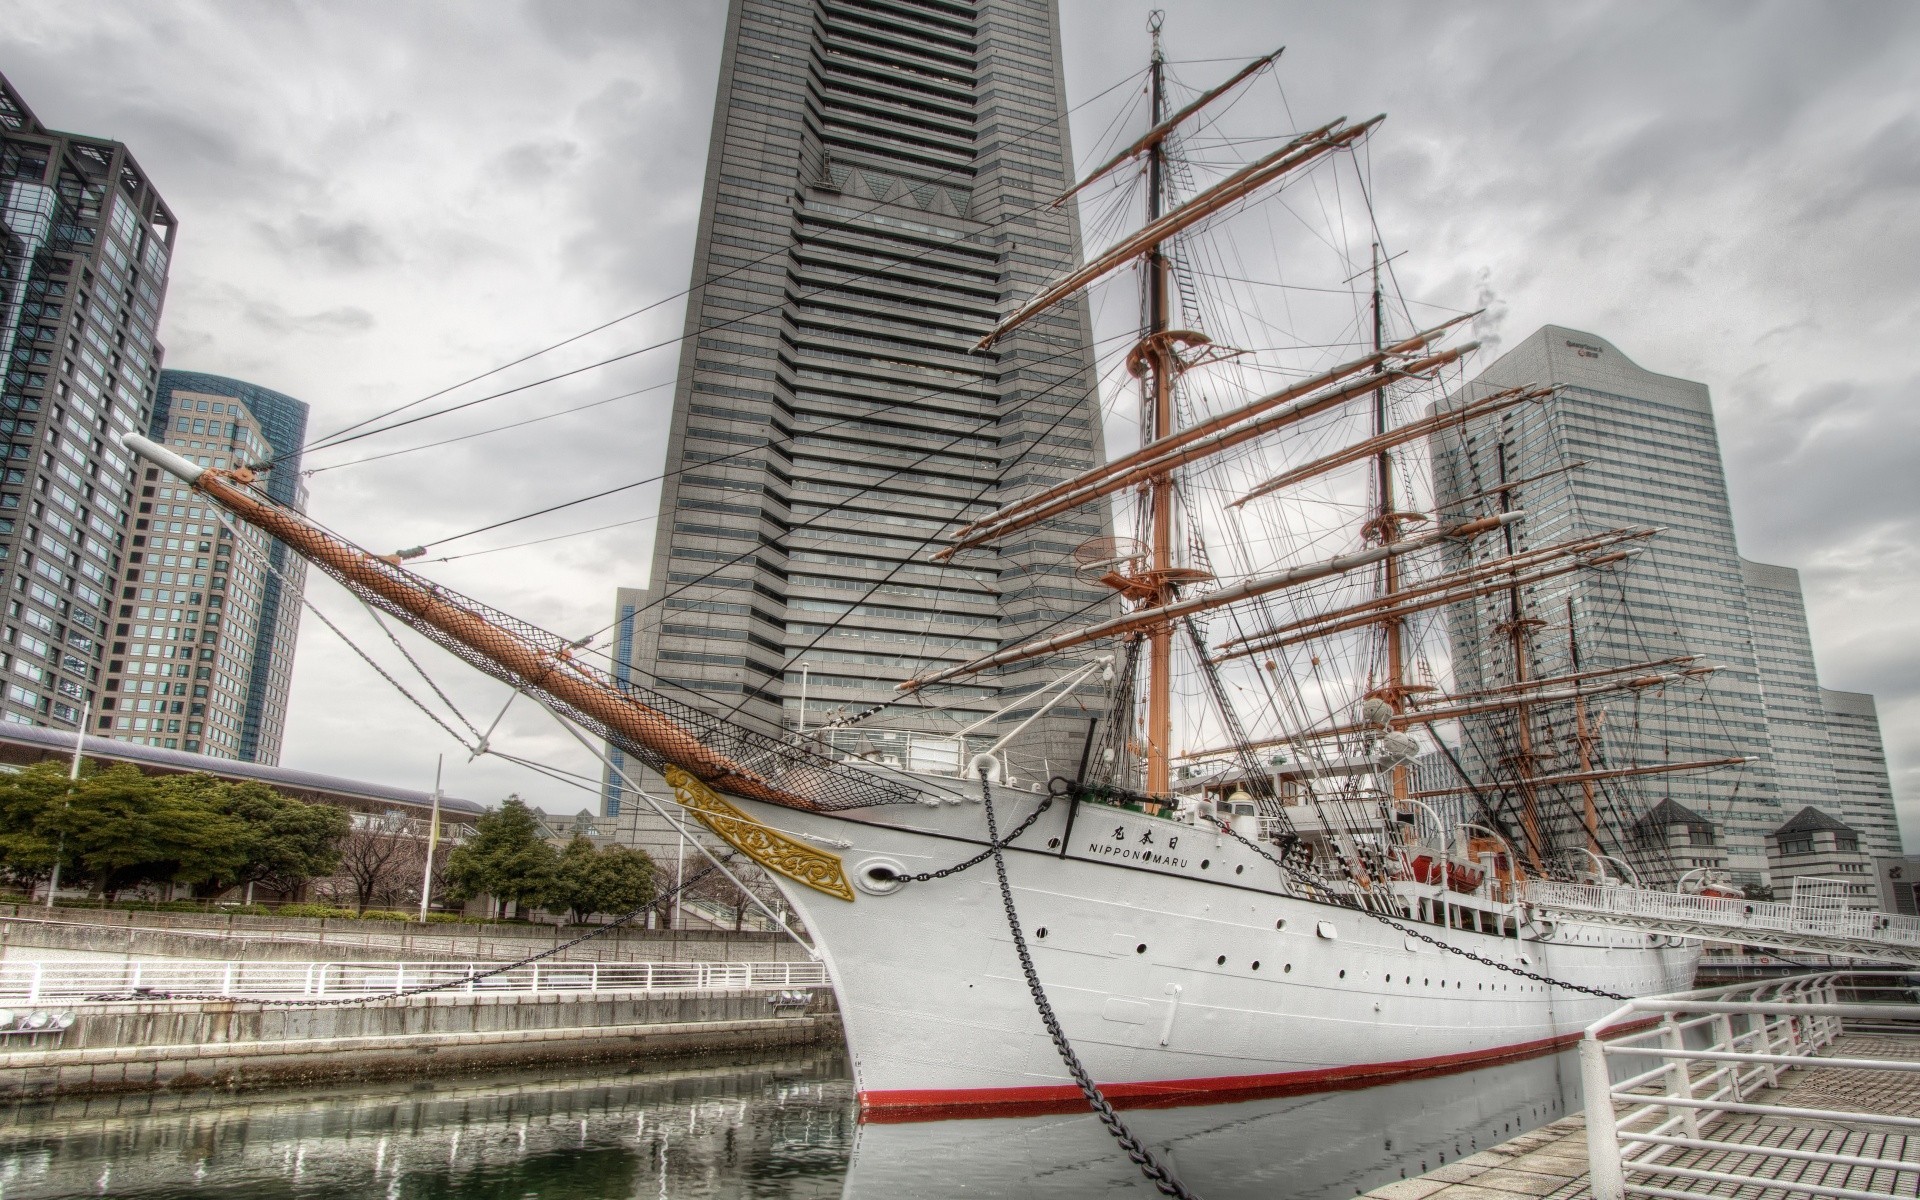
(1753, 1032)
(71, 982)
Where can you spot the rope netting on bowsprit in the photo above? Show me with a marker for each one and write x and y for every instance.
(796, 769)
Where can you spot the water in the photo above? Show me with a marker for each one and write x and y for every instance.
(779, 1128)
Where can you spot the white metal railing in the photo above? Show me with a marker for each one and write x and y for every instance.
(69, 982)
(1730, 916)
(1699, 1091)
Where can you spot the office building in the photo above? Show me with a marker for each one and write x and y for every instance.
(1618, 446)
(1862, 791)
(1899, 881)
(282, 422)
(877, 194)
(85, 245)
(203, 639)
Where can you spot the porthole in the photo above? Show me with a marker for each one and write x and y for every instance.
(1343, 974)
(1280, 924)
(1256, 964)
(1040, 932)
(1140, 949)
(1221, 961)
(1286, 970)
(1205, 863)
(1240, 868)
(1053, 843)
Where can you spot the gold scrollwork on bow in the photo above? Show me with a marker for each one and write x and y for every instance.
(770, 848)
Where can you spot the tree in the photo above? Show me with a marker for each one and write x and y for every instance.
(381, 865)
(28, 840)
(286, 841)
(124, 829)
(589, 880)
(505, 858)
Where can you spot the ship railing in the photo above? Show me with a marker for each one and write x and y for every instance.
(48, 982)
(1711, 1093)
(1731, 916)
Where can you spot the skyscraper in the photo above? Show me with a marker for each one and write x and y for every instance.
(877, 193)
(1860, 784)
(1619, 446)
(203, 639)
(282, 422)
(85, 245)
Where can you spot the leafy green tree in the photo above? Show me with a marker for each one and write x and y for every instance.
(589, 880)
(28, 840)
(285, 841)
(505, 858)
(125, 829)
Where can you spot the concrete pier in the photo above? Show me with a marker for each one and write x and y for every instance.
(180, 1044)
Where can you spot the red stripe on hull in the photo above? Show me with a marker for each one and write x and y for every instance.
(934, 1104)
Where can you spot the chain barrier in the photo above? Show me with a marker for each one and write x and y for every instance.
(444, 985)
(1162, 1179)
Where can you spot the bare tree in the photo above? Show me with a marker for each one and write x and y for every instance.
(380, 867)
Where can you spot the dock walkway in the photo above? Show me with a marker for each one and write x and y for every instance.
(1551, 1162)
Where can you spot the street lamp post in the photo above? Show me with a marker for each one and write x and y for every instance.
(73, 776)
(433, 840)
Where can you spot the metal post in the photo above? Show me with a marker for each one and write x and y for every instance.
(800, 726)
(1604, 1171)
(433, 840)
(73, 776)
(1679, 1079)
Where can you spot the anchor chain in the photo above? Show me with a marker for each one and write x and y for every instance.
(984, 855)
(1162, 1179)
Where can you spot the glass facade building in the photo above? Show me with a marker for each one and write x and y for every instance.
(282, 422)
(877, 194)
(1619, 446)
(85, 247)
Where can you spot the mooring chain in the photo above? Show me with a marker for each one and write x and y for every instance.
(445, 985)
(1162, 1179)
(984, 855)
(1404, 928)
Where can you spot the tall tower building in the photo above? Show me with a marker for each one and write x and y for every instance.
(877, 193)
(1863, 791)
(85, 244)
(1619, 446)
(203, 639)
(282, 422)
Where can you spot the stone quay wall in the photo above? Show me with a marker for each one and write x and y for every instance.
(174, 1045)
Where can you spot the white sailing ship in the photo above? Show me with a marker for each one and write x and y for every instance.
(1291, 910)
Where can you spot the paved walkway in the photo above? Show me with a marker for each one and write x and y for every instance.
(1551, 1162)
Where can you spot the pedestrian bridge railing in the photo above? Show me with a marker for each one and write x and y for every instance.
(1703, 1098)
(75, 982)
(1808, 928)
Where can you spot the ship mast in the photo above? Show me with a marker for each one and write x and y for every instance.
(1156, 354)
(1386, 526)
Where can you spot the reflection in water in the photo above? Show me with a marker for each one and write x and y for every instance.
(777, 1128)
(774, 1127)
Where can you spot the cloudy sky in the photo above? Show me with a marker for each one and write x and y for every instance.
(379, 200)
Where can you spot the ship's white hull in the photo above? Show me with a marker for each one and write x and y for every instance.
(1179, 966)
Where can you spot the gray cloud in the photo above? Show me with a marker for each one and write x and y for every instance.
(377, 201)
